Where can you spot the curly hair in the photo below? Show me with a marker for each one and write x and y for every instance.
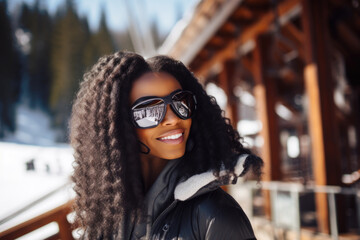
(107, 170)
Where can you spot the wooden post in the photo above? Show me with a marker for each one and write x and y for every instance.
(226, 78)
(357, 120)
(226, 81)
(321, 115)
(64, 228)
(265, 93)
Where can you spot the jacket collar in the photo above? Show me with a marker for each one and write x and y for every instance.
(204, 182)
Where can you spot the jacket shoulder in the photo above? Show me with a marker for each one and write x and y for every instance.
(219, 216)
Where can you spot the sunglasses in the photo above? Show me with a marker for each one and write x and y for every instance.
(148, 112)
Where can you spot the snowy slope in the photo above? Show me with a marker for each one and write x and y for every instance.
(28, 172)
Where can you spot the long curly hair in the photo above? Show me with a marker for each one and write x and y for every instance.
(107, 170)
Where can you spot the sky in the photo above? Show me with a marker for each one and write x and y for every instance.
(164, 11)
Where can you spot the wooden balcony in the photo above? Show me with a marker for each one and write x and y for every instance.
(58, 215)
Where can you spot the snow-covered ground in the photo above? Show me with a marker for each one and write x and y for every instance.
(27, 173)
(32, 165)
(33, 126)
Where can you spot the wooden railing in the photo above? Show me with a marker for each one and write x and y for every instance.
(286, 212)
(58, 215)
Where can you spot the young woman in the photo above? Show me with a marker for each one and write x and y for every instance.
(151, 152)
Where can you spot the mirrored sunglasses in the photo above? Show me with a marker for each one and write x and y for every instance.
(148, 112)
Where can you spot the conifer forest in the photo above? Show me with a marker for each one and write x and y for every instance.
(43, 57)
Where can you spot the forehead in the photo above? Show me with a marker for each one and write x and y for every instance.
(153, 84)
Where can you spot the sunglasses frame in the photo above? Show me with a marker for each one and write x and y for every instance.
(167, 100)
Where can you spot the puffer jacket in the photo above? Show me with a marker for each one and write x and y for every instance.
(196, 208)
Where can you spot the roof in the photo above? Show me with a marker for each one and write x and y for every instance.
(221, 29)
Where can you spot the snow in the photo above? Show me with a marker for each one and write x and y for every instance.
(32, 127)
(32, 165)
(22, 182)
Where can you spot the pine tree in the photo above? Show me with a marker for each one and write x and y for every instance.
(123, 41)
(158, 39)
(38, 22)
(99, 44)
(104, 38)
(67, 66)
(9, 72)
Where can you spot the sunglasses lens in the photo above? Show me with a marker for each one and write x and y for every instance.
(149, 113)
(184, 104)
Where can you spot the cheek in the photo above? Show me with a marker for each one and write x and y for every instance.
(187, 125)
(143, 135)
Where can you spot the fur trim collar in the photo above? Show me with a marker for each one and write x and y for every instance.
(192, 185)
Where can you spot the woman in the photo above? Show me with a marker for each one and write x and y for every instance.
(151, 152)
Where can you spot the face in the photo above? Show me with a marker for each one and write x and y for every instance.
(168, 139)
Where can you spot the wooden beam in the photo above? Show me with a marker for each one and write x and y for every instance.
(226, 81)
(321, 118)
(229, 28)
(258, 4)
(265, 95)
(243, 13)
(297, 35)
(317, 142)
(261, 26)
(65, 230)
(216, 41)
(265, 91)
(195, 36)
(209, 7)
(348, 36)
(356, 121)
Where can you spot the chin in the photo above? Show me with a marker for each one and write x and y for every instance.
(171, 156)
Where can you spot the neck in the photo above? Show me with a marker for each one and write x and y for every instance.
(151, 168)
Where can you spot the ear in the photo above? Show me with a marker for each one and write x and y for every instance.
(142, 147)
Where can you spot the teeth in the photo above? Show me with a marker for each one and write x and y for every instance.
(176, 136)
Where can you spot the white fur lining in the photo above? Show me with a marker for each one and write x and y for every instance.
(188, 188)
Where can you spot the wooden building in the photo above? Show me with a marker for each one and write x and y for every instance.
(300, 61)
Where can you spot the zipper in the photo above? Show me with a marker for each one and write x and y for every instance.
(165, 228)
(170, 207)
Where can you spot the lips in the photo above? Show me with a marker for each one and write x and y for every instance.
(172, 137)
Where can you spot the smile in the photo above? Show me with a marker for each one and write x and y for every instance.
(175, 136)
(172, 137)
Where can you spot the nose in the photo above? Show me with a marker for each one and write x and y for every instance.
(170, 119)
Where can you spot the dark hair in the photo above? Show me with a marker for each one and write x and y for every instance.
(107, 176)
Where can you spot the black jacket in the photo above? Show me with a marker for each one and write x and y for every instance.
(196, 208)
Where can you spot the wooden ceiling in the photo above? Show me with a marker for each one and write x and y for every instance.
(252, 17)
